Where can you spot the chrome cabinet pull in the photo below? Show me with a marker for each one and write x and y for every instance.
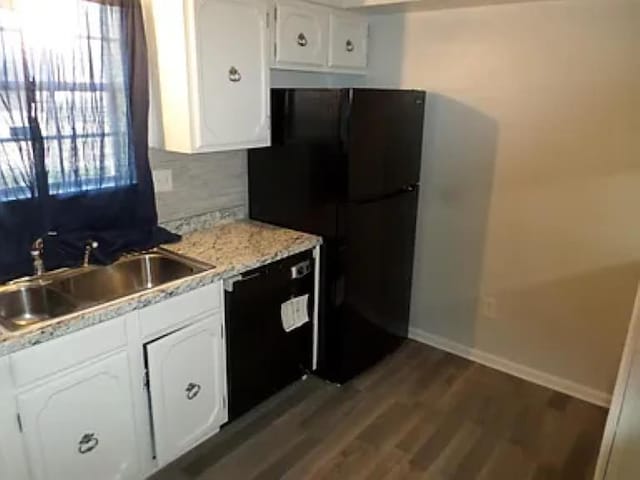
(302, 40)
(88, 443)
(350, 46)
(234, 75)
(192, 390)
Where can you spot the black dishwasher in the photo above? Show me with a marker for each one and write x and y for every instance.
(263, 358)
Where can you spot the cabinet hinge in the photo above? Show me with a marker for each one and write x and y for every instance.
(222, 330)
(19, 419)
(145, 380)
(268, 20)
(224, 401)
(275, 14)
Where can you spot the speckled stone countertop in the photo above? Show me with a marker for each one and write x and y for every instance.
(231, 248)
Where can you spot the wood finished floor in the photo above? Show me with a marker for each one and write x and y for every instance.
(420, 414)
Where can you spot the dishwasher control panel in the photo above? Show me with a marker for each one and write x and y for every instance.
(301, 270)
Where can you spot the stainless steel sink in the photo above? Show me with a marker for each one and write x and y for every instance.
(25, 306)
(30, 303)
(127, 276)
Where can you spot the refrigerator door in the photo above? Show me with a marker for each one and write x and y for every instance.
(298, 181)
(370, 317)
(385, 142)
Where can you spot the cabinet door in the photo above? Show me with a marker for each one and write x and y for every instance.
(187, 383)
(231, 77)
(82, 425)
(625, 452)
(620, 450)
(301, 35)
(348, 41)
(13, 465)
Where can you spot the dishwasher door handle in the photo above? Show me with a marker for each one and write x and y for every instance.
(230, 282)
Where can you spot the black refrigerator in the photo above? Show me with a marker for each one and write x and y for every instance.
(345, 164)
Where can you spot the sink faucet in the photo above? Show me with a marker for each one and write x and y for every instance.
(37, 249)
(90, 246)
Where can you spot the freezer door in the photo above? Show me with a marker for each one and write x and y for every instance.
(298, 181)
(385, 145)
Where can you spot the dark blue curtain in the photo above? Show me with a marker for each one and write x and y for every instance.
(73, 134)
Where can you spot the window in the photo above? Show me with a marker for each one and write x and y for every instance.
(65, 121)
(74, 160)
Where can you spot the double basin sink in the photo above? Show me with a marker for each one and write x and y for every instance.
(34, 302)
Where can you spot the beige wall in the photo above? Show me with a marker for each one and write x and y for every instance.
(531, 177)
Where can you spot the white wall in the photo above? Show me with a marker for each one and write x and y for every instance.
(531, 177)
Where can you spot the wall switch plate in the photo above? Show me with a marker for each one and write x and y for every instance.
(163, 180)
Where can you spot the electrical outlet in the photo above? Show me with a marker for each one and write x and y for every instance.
(163, 180)
(489, 307)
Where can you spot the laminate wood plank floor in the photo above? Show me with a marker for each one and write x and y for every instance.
(419, 414)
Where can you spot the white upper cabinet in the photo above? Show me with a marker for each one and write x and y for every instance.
(348, 35)
(187, 384)
(302, 32)
(212, 74)
(320, 39)
(82, 425)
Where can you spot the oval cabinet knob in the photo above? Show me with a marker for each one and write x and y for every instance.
(302, 40)
(192, 390)
(350, 46)
(234, 75)
(88, 443)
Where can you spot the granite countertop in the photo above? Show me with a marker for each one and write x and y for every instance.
(230, 249)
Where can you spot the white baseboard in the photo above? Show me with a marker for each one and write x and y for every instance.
(563, 385)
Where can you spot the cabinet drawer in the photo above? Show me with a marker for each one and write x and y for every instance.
(69, 351)
(301, 35)
(177, 311)
(347, 41)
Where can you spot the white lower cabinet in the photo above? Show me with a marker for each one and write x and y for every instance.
(83, 407)
(187, 385)
(13, 465)
(81, 425)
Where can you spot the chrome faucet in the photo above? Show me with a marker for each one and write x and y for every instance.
(90, 246)
(37, 249)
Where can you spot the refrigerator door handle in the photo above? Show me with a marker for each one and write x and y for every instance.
(345, 120)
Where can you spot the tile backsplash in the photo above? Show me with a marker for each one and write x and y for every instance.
(202, 183)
